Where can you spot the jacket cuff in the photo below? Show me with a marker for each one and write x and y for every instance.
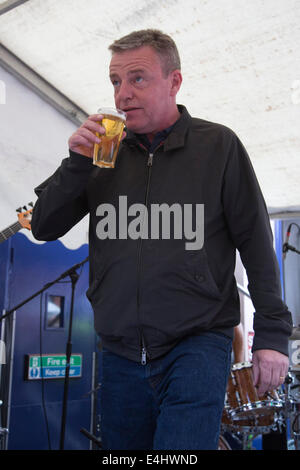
(273, 336)
(80, 159)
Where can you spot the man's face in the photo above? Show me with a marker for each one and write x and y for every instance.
(142, 90)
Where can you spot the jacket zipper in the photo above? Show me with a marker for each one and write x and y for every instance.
(143, 345)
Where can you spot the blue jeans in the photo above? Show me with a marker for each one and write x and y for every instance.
(174, 402)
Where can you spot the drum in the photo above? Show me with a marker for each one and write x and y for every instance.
(243, 400)
(251, 424)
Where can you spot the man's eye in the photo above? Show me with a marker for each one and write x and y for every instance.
(115, 83)
(138, 79)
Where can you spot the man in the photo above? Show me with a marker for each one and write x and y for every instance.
(166, 311)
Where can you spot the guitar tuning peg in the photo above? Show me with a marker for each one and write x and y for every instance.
(19, 210)
(30, 204)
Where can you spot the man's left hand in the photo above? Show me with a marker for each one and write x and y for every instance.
(269, 369)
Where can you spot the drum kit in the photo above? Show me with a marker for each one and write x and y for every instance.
(247, 415)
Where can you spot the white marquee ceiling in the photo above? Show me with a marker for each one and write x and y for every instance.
(240, 63)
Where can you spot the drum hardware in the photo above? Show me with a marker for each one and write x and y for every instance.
(247, 429)
(243, 398)
(263, 407)
(92, 438)
(292, 393)
(252, 424)
(223, 444)
(247, 415)
(3, 437)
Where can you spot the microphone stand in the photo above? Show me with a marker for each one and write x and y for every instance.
(74, 278)
(286, 247)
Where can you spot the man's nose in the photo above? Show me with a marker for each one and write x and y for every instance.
(124, 92)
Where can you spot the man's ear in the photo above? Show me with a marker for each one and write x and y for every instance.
(176, 80)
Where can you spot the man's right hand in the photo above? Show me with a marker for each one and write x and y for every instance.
(84, 138)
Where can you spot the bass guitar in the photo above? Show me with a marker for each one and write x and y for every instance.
(24, 221)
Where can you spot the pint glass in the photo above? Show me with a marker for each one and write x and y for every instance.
(105, 153)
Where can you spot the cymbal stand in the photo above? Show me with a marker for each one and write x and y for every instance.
(293, 407)
(92, 438)
(3, 435)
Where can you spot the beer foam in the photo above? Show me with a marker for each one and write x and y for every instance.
(112, 112)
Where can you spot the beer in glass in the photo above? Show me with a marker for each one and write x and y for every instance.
(105, 153)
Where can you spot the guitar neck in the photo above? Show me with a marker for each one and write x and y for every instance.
(9, 231)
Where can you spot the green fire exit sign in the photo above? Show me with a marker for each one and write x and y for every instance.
(52, 366)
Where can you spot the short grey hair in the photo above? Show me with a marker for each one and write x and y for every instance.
(162, 44)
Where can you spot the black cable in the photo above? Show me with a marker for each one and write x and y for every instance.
(42, 377)
(286, 247)
(294, 223)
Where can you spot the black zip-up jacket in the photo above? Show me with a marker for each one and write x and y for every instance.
(148, 293)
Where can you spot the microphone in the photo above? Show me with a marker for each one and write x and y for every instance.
(286, 243)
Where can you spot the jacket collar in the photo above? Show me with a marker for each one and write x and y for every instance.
(176, 138)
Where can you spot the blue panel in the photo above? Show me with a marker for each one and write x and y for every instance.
(257, 443)
(28, 428)
(33, 266)
(278, 250)
(4, 266)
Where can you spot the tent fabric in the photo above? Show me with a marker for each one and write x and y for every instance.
(240, 65)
